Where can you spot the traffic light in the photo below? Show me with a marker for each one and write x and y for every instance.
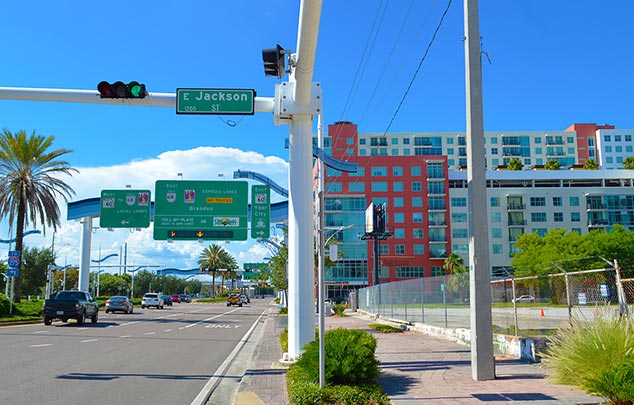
(121, 90)
(274, 64)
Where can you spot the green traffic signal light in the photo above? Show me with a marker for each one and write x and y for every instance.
(121, 90)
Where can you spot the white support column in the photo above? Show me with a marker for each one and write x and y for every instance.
(84, 263)
(301, 323)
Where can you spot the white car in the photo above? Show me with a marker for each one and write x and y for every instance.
(244, 299)
(524, 298)
(152, 300)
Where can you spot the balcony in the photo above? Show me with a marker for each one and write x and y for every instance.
(517, 222)
(437, 223)
(516, 207)
(595, 206)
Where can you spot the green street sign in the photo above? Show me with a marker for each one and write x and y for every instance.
(215, 101)
(124, 209)
(200, 210)
(255, 266)
(260, 211)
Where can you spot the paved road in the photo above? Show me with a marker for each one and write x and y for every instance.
(148, 357)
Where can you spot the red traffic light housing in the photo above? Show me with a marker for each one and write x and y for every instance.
(121, 90)
(274, 63)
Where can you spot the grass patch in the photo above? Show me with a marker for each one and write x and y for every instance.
(597, 356)
(385, 328)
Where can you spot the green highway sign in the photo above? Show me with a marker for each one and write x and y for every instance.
(255, 266)
(260, 211)
(215, 101)
(200, 210)
(124, 209)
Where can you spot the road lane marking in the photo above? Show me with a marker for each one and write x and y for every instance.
(167, 330)
(41, 331)
(43, 345)
(169, 316)
(82, 328)
(129, 323)
(125, 336)
(89, 340)
(149, 333)
(208, 319)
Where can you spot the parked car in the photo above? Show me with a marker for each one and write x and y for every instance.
(176, 298)
(72, 304)
(245, 299)
(524, 298)
(119, 303)
(185, 298)
(167, 300)
(152, 300)
(234, 299)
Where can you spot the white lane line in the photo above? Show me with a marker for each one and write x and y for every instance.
(149, 333)
(43, 345)
(89, 340)
(125, 336)
(41, 331)
(129, 323)
(167, 330)
(82, 328)
(169, 316)
(208, 319)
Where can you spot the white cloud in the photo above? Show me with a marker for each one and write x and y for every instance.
(202, 163)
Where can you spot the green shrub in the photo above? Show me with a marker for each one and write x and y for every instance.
(28, 308)
(590, 354)
(349, 357)
(615, 384)
(283, 311)
(384, 328)
(4, 305)
(339, 308)
(284, 340)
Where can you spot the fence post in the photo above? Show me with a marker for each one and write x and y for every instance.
(567, 280)
(422, 299)
(623, 308)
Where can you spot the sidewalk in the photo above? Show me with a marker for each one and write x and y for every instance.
(415, 369)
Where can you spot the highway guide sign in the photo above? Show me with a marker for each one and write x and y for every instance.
(215, 101)
(200, 210)
(14, 262)
(260, 211)
(124, 209)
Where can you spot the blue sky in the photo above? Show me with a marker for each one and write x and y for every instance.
(552, 64)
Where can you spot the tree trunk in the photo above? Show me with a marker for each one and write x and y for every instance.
(213, 283)
(19, 239)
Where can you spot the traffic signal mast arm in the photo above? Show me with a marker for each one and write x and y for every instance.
(262, 104)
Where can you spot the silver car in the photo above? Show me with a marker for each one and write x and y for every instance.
(152, 300)
(119, 303)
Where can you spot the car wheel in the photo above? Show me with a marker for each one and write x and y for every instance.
(94, 318)
(48, 320)
(107, 310)
(142, 306)
(81, 319)
(64, 320)
(240, 305)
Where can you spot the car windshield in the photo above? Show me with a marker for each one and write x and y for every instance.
(118, 298)
(69, 295)
(150, 296)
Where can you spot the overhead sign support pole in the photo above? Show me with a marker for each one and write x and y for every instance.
(306, 99)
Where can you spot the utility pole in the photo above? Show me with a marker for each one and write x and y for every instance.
(482, 360)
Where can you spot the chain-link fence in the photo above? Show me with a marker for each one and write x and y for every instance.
(527, 305)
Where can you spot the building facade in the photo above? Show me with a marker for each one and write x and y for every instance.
(416, 175)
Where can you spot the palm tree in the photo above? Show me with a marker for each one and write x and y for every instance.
(552, 165)
(212, 259)
(590, 164)
(628, 163)
(515, 164)
(29, 184)
(458, 275)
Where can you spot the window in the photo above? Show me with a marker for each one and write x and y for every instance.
(419, 249)
(495, 217)
(356, 187)
(570, 139)
(497, 249)
(450, 151)
(459, 233)
(417, 186)
(379, 186)
(394, 141)
(349, 151)
(496, 233)
(578, 230)
(410, 271)
(384, 249)
(397, 171)
(399, 249)
(628, 138)
(628, 148)
(417, 217)
(406, 152)
(458, 201)
(434, 171)
(437, 271)
(399, 233)
(363, 152)
(575, 217)
(538, 151)
(379, 171)
(333, 187)
(606, 138)
(461, 249)
(494, 151)
(574, 201)
(349, 141)
(540, 231)
(416, 171)
(362, 141)
(435, 187)
(359, 173)
(405, 141)
(436, 203)
(538, 201)
(462, 217)
(418, 233)
(330, 172)
(557, 202)
(608, 148)
(417, 201)
(537, 139)
(399, 218)
(558, 216)
(538, 216)
(397, 186)
(495, 201)
(398, 201)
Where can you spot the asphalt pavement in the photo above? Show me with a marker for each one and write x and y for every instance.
(415, 369)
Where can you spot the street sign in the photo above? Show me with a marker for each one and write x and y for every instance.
(14, 259)
(260, 211)
(215, 101)
(255, 266)
(124, 209)
(200, 210)
(12, 272)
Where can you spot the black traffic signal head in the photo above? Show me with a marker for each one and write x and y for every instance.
(121, 90)
(274, 63)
